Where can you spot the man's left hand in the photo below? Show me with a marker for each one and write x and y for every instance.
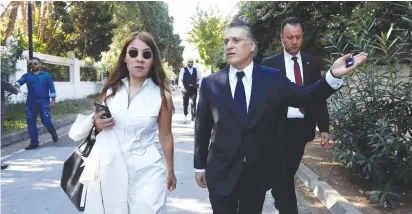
(339, 66)
(324, 138)
(52, 104)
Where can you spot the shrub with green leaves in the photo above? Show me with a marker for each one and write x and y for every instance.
(372, 114)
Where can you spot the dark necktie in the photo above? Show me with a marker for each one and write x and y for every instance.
(298, 77)
(240, 96)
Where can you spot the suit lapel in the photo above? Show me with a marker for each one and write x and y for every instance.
(281, 63)
(256, 100)
(306, 71)
(227, 97)
(283, 70)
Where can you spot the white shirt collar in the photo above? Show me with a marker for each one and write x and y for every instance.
(147, 82)
(248, 72)
(289, 56)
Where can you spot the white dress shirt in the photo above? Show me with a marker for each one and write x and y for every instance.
(182, 74)
(290, 73)
(335, 83)
(247, 81)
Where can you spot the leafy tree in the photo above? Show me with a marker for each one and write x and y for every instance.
(10, 54)
(126, 16)
(207, 34)
(148, 16)
(320, 19)
(156, 20)
(59, 27)
(93, 29)
(316, 17)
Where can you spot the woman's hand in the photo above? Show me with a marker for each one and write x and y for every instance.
(102, 124)
(171, 181)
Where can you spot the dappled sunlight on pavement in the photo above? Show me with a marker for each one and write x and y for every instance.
(181, 205)
(31, 184)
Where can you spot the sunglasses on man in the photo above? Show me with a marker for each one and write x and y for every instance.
(34, 62)
(134, 53)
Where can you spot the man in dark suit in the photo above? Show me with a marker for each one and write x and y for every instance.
(299, 124)
(235, 126)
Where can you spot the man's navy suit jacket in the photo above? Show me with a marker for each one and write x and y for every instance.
(223, 139)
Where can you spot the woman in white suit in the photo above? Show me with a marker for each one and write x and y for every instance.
(125, 172)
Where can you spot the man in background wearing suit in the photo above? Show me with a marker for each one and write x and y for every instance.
(235, 126)
(299, 124)
(189, 81)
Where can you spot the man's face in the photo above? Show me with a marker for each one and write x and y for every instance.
(238, 49)
(292, 37)
(35, 65)
(190, 63)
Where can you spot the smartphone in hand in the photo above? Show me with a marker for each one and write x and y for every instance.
(100, 107)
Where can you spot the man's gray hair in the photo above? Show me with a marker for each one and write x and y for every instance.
(250, 33)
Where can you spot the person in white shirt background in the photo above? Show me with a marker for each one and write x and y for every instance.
(189, 81)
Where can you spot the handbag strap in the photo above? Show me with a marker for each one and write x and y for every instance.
(89, 143)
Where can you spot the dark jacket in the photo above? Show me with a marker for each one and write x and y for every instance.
(316, 112)
(222, 139)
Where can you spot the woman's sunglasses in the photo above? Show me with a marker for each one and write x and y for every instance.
(134, 53)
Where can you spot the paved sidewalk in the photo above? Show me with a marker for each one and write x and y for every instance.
(31, 183)
(194, 197)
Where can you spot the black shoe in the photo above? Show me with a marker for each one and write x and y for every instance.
(32, 146)
(56, 139)
(4, 166)
(193, 118)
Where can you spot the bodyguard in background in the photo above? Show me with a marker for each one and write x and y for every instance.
(299, 124)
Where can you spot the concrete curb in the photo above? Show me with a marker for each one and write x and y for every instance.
(336, 203)
(24, 134)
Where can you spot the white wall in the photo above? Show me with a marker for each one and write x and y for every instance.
(75, 89)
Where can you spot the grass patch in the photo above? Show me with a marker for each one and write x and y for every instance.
(15, 118)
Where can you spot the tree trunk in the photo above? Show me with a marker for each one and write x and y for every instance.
(23, 10)
(12, 20)
(36, 19)
(44, 12)
(40, 18)
(6, 10)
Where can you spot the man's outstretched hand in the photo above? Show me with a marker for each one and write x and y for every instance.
(339, 66)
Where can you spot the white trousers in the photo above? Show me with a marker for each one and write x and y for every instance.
(146, 191)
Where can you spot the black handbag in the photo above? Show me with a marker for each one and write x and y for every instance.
(72, 170)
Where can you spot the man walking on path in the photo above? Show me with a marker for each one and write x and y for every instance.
(235, 129)
(298, 126)
(40, 87)
(189, 80)
(5, 86)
